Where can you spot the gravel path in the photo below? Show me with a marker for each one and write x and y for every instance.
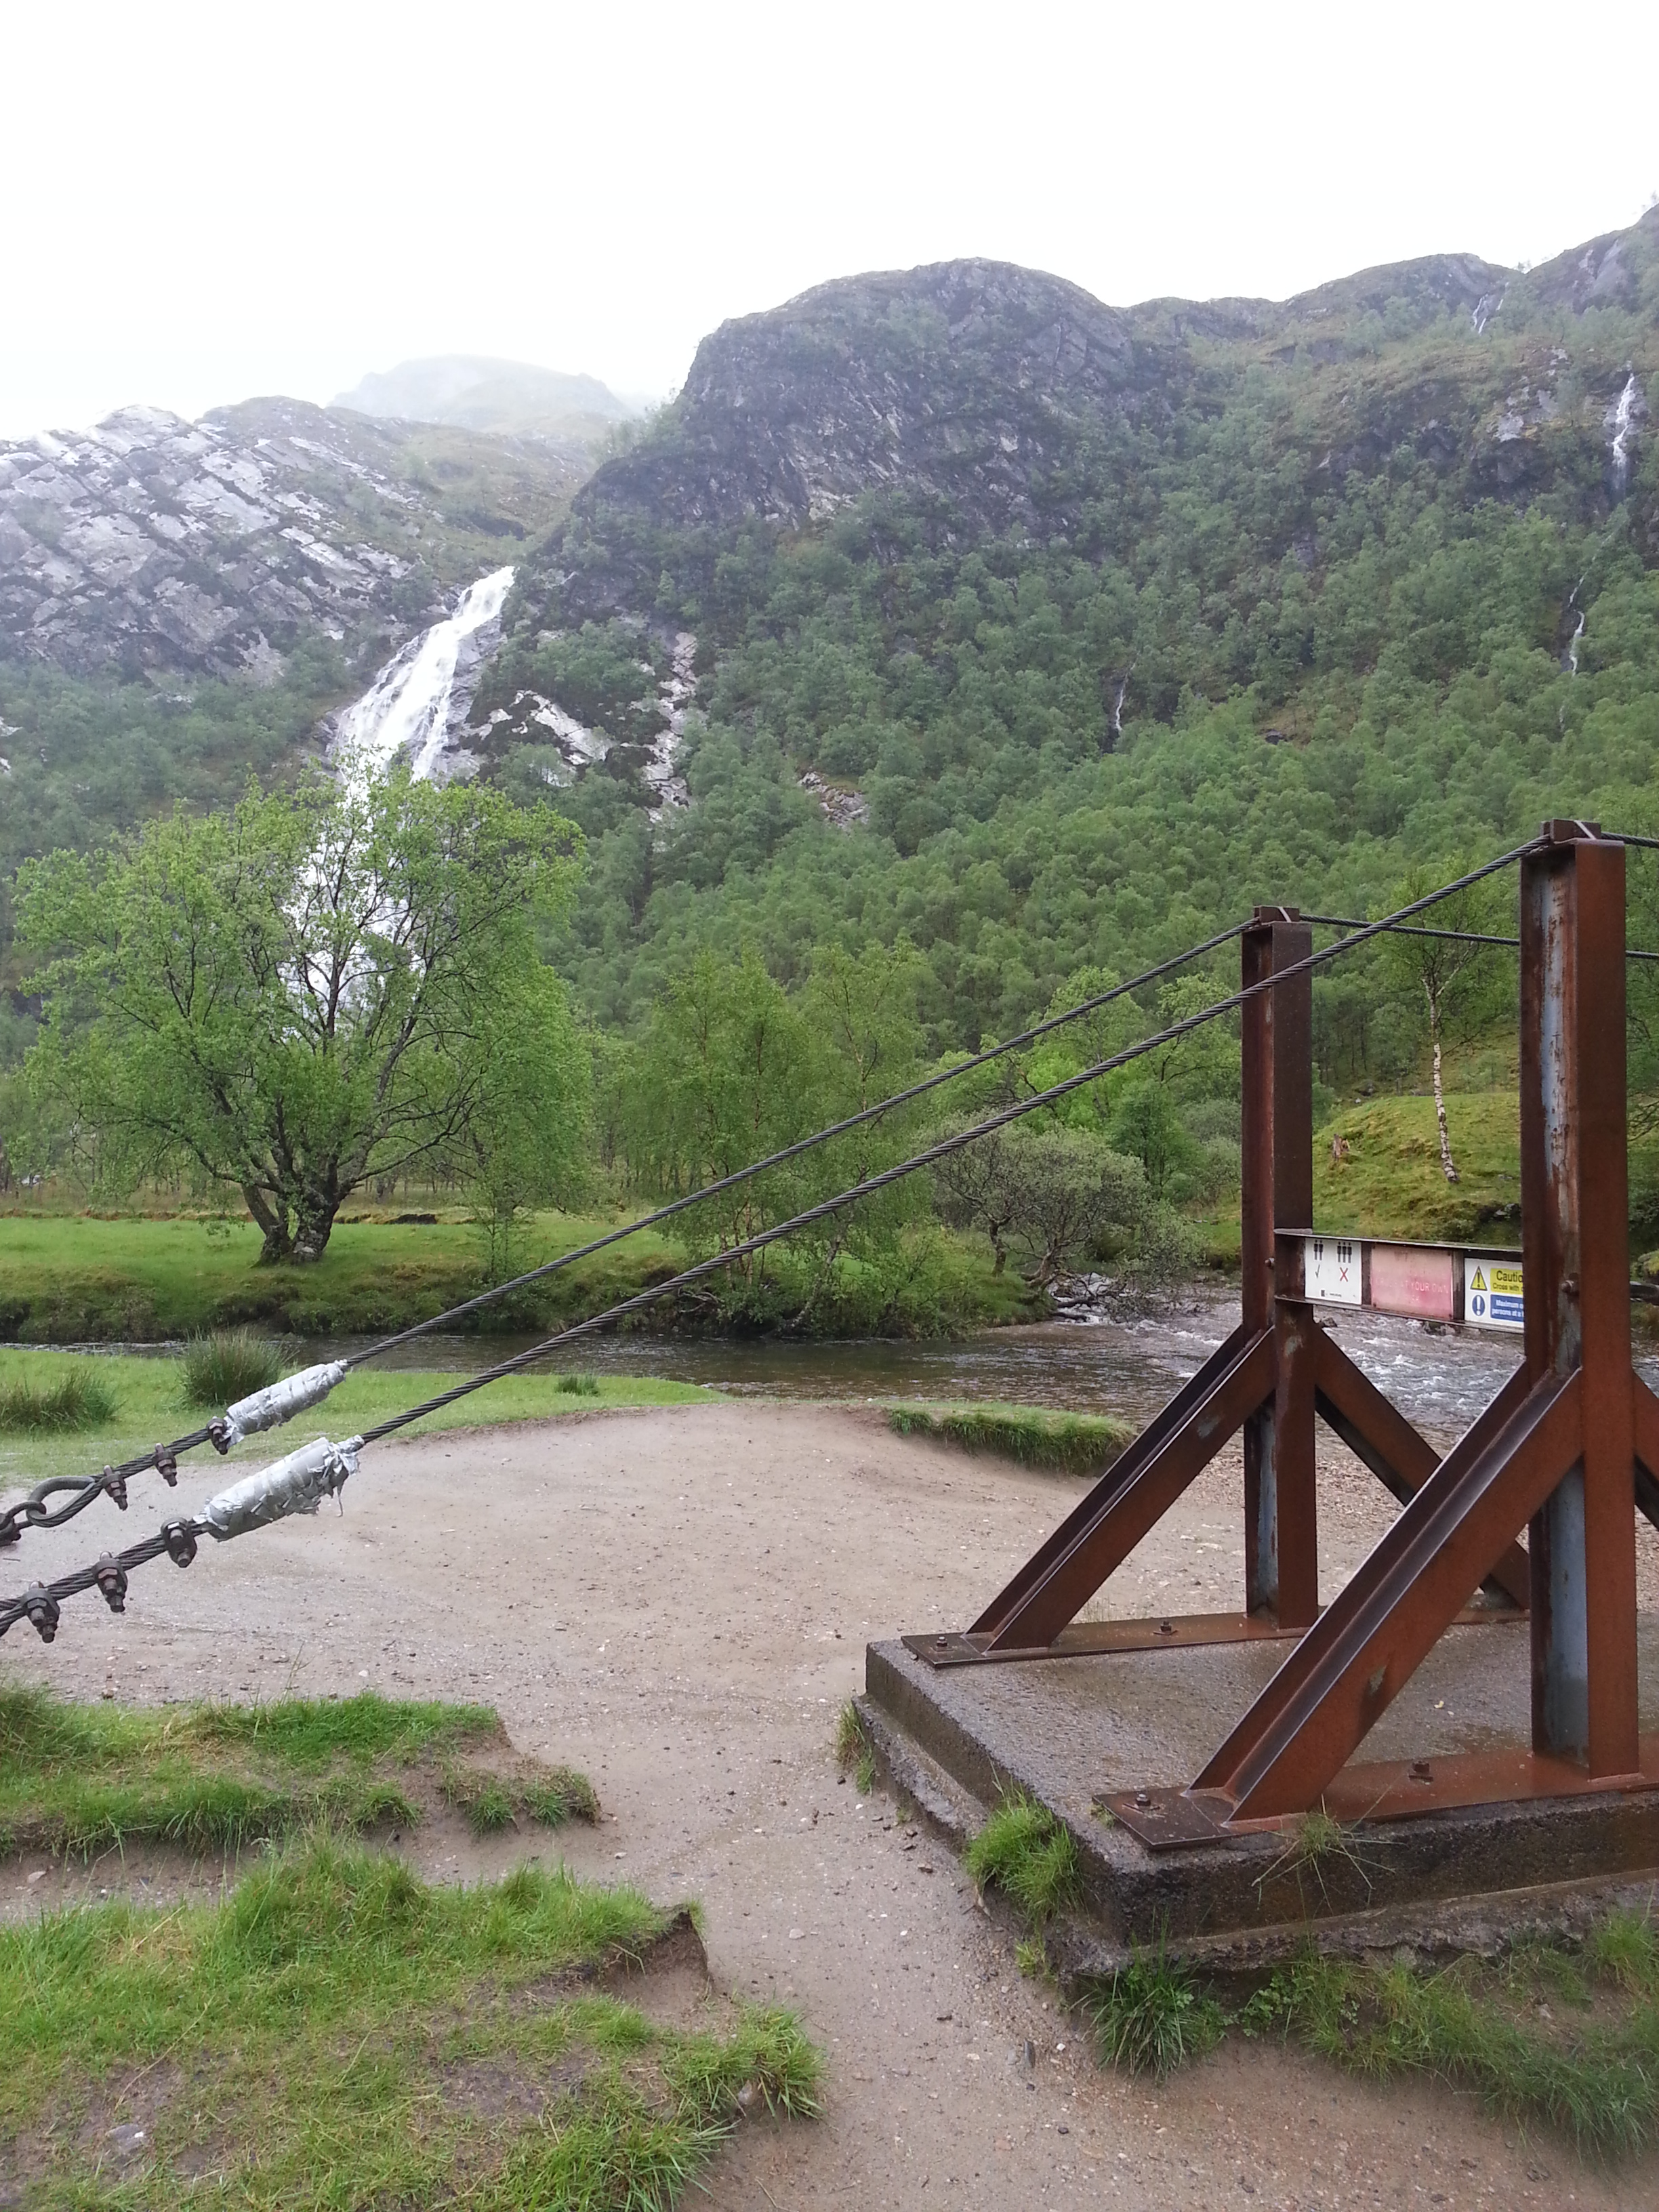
(677, 1601)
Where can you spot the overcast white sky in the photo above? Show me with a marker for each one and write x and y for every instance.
(202, 202)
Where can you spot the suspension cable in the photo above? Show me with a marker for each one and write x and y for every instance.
(33, 1512)
(43, 1597)
(699, 1197)
(1451, 936)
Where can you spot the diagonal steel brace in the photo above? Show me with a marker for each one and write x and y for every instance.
(1377, 1432)
(1348, 1668)
(1099, 1534)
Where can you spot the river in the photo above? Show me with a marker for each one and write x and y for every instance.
(1130, 1366)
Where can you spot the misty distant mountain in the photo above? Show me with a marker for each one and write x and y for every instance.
(510, 398)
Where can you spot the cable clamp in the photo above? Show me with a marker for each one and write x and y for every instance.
(166, 1465)
(181, 1541)
(117, 1486)
(112, 1582)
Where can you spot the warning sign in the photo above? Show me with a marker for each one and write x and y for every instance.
(1331, 1270)
(1492, 1293)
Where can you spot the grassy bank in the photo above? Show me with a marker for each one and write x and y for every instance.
(338, 2032)
(83, 1779)
(1390, 1183)
(1036, 1436)
(148, 1403)
(77, 1279)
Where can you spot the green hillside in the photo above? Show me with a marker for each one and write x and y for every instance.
(1120, 622)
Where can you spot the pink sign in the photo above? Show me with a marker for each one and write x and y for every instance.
(1408, 1281)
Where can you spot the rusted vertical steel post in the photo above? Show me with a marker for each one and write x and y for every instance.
(1575, 1215)
(1281, 1565)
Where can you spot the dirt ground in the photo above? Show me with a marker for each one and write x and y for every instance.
(677, 1601)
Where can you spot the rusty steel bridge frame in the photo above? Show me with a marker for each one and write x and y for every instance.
(1567, 1451)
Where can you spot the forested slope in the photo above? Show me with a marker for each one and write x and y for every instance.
(1113, 622)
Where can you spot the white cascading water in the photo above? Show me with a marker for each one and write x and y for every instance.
(405, 714)
(1622, 414)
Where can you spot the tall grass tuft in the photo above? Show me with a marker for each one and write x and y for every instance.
(81, 1399)
(1151, 2016)
(228, 1364)
(1028, 1855)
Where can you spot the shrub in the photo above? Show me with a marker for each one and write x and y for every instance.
(228, 1364)
(79, 1399)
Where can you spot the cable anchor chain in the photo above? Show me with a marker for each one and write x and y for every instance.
(277, 1403)
(298, 1483)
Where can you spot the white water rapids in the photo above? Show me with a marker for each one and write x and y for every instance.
(405, 711)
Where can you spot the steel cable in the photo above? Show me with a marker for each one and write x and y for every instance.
(30, 1512)
(1450, 936)
(44, 1597)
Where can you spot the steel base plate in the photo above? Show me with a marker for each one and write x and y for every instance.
(1091, 1639)
(1166, 1819)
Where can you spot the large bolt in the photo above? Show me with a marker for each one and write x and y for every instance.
(42, 1611)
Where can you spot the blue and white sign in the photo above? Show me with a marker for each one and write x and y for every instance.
(1492, 1293)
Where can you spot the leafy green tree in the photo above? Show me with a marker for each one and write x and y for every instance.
(732, 1068)
(1055, 1194)
(298, 996)
(1454, 977)
(525, 1145)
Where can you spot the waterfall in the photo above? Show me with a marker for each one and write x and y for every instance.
(1570, 658)
(1621, 415)
(407, 711)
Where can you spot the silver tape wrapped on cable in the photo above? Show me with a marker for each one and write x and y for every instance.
(280, 1401)
(298, 1483)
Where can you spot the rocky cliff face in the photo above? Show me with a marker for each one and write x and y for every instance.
(151, 544)
(960, 387)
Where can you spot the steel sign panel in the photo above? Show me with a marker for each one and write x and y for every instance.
(1409, 1278)
(1331, 1270)
(1492, 1293)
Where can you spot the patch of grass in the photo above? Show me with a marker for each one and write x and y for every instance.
(1153, 2016)
(1624, 1949)
(337, 2033)
(147, 1405)
(1491, 2029)
(1030, 1856)
(854, 1753)
(577, 1386)
(491, 1801)
(67, 1277)
(1390, 1181)
(1036, 1436)
(77, 1400)
(229, 1364)
(80, 1778)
